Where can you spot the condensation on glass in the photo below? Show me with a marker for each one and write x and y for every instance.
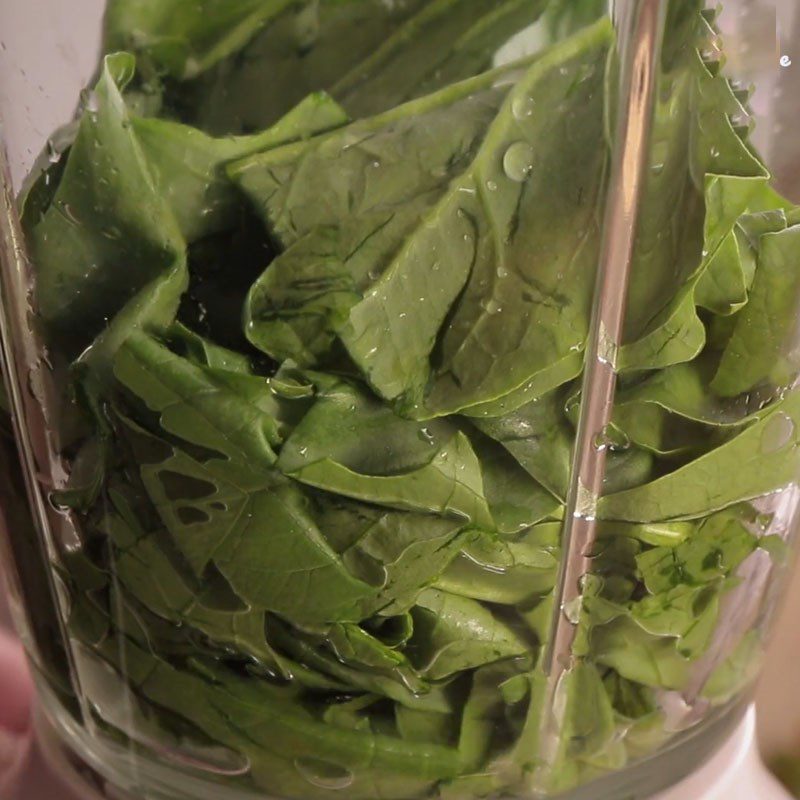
(399, 395)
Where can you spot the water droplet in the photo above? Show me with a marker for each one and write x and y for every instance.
(66, 208)
(89, 101)
(376, 164)
(741, 120)
(53, 156)
(518, 161)
(659, 156)
(491, 186)
(491, 306)
(610, 438)
(715, 152)
(290, 388)
(777, 433)
(602, 441)
(112, 233)
(502, 272)
(764, 521)
(426, 435)
(572, 609)
(303, 451)
(522, 107)
(323, 774)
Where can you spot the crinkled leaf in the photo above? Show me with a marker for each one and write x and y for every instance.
(451, 40)
(760, 346)
(687, 216)
(187, 165)
(108, 243)
(410, 551)
(309, 650)
(371, 56)
(467, 212)
(352, 445)
(515, 499)
(539, 437)
(714, 549)
(453, 634)
(231, 414)
(304, 298)
(505, 571)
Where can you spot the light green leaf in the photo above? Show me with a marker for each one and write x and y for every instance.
(760, 348)
(766, 458)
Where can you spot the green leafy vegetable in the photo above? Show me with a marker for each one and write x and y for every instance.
(316, 280)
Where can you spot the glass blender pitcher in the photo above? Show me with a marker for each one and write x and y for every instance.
(400, 394)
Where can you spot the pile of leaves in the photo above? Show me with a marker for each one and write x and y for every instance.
(316, 279)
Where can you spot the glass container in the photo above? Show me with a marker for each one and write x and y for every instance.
(400, 395)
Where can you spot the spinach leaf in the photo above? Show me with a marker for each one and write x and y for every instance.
(516, 501)
(765, 457)
(305, 48)
(321, 512)
(369, 55)
(453, 633)
(352, 445)
(108, 243)
(681, 257)
(451, 39)
(256, 720)
(539, 437)
(187, 165)
(470, 226)
(306, 294)
(183, 37)
(230, 414)
(715, 548)
(409, 551)
(758, 350)
(308, 651)
(506, 571)
(234, 508)
(461, 234)
(676, 411)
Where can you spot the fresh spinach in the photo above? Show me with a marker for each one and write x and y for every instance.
(320, 531)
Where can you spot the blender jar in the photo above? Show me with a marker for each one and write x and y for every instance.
(399, 395)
